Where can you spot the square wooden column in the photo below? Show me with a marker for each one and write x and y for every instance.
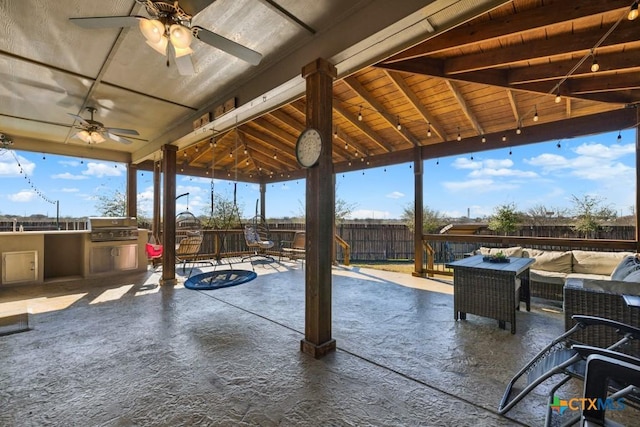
(320, 213)
(132, 190)
(418, 212)
(169, 216)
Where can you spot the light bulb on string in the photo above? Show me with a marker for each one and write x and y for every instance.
(518, 131)
(619, 137)
(535, 116)
(484, 139)
(633, 12)
(559, 145)
(360, 114)
(429, 131)
(398, 125)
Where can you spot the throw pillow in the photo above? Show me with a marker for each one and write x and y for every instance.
(633, 277)
(628, 265)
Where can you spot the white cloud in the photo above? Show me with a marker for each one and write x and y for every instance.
(73, 163)
(100, 170)
(465, 163)
(10, 168)
(70, 190)
(369, 214)
(395, 195)
(479, 185)
(502, 172)
(69, 176)
(22, 196)
(601, 151)
(497, 163)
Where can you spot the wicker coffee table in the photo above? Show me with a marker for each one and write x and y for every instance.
(490, 289)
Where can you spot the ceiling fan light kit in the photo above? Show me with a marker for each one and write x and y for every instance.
(169, 32)
(93, 132)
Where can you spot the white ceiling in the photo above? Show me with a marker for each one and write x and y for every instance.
(50, 67)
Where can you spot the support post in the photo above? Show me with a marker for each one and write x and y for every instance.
(637, 180)
(320, 213)
(132, 190)
(169, 223)
(418, 213)
(263, 191)
(156, 202)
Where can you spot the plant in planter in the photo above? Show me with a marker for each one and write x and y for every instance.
(498, 257)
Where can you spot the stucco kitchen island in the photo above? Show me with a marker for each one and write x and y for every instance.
(37, 257)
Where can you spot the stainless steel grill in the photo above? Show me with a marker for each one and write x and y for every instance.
(110, 229)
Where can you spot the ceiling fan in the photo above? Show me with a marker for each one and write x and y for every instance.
(94, 132)
(168, 30)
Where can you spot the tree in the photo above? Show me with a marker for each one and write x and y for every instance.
(224, 215)
(432, 220)
(115, 205)
(505, 219)
(112, 204)
(589, 214)
(540, 215)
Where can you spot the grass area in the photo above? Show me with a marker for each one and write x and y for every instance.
(396, 266)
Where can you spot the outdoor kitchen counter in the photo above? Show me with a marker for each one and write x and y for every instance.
(36, 257)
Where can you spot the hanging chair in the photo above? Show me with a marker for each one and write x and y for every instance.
(256, 235)
(188, 240)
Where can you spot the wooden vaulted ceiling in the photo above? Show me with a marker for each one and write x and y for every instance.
(488, 83)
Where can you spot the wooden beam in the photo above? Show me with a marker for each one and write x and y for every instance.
(377, 106)
(465, 108)
(373, 136)
(512, 24)
(169, 213)
(417, 104)
(576, 43)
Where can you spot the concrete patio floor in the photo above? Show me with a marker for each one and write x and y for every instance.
(127, 352)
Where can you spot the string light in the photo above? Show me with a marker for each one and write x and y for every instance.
(558, 97)
(619, 136)
(398, 125)
(559, 145)
(429, 130)
(504, 138)
(459, 138)
(518, 131)
(594, 65)
(360, 114)
(484, 139)
(633, 12)
(535, 116)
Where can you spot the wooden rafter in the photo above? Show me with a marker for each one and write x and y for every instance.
(417, 104)
(465, 108)
(377, 106)
(373, 136)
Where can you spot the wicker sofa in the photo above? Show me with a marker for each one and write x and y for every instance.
(600, 298)
(548, 274)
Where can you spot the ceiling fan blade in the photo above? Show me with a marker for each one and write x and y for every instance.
(117, 138)
(185, 65)
(124, 131)
(193, 7)
(226, 45)
(80, 119)
(106, 21)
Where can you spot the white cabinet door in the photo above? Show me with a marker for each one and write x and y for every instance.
(19, 267)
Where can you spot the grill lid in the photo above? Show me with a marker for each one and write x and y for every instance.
(98, 223)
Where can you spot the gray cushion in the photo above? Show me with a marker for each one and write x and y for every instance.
(628, 265)
(613, 286)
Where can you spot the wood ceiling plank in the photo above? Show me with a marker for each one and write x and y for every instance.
(512, 24)
(430, 120)
(465, 108)
(579, 43)
(377, 106)
(362, 127)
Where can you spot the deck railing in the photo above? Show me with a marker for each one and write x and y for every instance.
(440, 249)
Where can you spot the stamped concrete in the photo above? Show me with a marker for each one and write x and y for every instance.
(127, 352)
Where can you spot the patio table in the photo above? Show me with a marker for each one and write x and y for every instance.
(491, 289)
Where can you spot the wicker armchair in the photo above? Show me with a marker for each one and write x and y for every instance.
(599, 303)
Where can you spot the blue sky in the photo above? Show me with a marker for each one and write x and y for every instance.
(538, 174)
